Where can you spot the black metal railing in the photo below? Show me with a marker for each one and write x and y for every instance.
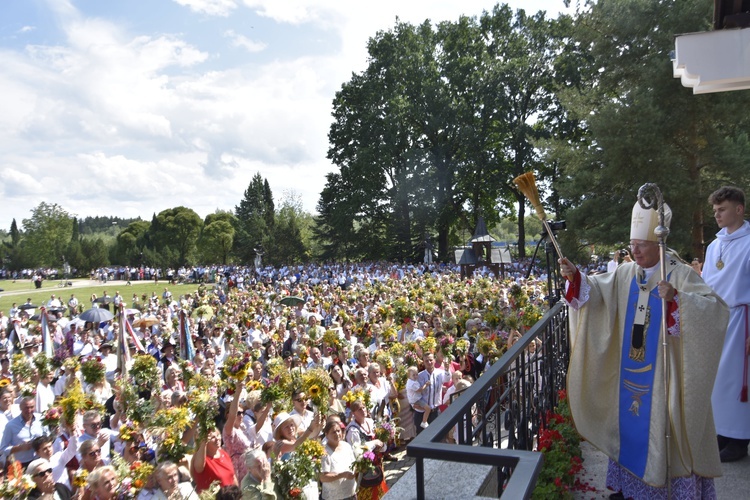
(498, 417)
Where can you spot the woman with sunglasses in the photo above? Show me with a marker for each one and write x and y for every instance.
(40, 471)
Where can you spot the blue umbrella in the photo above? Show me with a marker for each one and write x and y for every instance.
(96, 315)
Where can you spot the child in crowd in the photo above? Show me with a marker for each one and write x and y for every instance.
(414, 394)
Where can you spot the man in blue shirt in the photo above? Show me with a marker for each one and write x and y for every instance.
(21, 430)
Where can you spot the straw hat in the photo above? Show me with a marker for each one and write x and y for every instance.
(281, 419)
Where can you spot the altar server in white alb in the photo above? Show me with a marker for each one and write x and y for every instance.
(727, 270)
(616, 384)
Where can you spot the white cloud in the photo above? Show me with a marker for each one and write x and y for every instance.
(111, 122)
(210, 7)
(27, 29)
(244, 42)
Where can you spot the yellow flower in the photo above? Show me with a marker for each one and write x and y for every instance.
(314, 391)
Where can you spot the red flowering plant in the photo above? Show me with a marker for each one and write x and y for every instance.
(560, 443)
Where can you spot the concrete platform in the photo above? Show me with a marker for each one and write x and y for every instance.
(445, 480)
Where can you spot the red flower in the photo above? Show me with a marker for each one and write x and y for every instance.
(295, 492)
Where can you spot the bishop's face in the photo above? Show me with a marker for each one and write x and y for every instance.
(645, 253)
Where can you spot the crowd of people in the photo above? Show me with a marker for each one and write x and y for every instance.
(296, 383)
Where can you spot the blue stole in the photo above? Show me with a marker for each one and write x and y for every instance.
(637, 381)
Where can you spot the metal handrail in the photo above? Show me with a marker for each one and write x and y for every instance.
(515, 393)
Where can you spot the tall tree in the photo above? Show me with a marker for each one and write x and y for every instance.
(217, 237)
(255, 215)
(642, 126)
(288, 228)
(178, 229)
(47, 233)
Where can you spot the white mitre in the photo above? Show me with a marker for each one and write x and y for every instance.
(643, 222)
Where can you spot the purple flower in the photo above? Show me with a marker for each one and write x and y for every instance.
(369, 456)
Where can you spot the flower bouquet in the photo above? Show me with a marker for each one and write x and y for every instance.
(384, 359)
(93, 370)
(447, 345)
(58, 360)
(132, 477)
(136, 408)
(76, 401)
(428, 344)
(364, 463)
(357, 393)
(316, 382)
(332, 339)
(168, 427)
(51, 417)
(204, 404)
(292, 475)
(21, 367)
(42, 363)
(79, 479)
(236, 368)
(386, 431)
(145, 373)
(462, 346)
(17, 485)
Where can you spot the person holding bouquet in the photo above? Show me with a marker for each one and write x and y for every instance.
(336, 474)
(360, 433)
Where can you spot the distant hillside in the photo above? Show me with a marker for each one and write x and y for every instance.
(92, 225)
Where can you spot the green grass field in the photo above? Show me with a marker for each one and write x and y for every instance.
(82, 290)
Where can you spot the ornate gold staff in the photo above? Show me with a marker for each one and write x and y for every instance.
(649, 196)
(527, 185)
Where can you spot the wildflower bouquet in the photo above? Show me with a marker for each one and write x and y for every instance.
(315, 383)
(17, 485)
(188, 371)
(275, 366)
(204, 404)
(530, 315)
(447, 345)
(21, 367)
(384, 359)
(168, 427)
(292, 475)
(273, 393)
(51, 417)
(58, 360)
(357, 393)
(397, 349)
(491, 347)
(462, 346)
(332, 339)
(77, 402)
(79, 479)
(43, 364)
(428, 344)
(312, 448)
(71, 365)
(132, 477)
(145, 373)
(236, 368)
(254, 385)
(364, 463)
(135, 408)
(93, 370)
(386, 431)
(127, 433)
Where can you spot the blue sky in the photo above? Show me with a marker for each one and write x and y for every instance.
(129, 107)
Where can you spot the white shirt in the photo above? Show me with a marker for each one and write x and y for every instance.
(339, 460)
